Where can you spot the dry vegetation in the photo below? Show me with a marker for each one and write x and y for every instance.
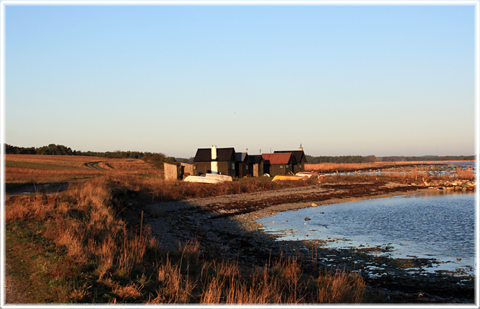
(48, 168)
(75, 247)
(402, 173)
(102, 261)
(341, 167)
(422, 173)
(159, 189)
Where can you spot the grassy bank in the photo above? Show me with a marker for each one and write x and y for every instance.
(75, 248)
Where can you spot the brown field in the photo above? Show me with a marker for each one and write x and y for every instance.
(48, 168)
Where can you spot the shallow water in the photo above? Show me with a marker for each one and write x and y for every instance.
(438, 227)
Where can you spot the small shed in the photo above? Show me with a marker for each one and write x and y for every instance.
(188, 169)
(171, 171)
(179, 170)
(278, 163)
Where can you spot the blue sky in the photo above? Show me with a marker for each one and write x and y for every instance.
(338, 79)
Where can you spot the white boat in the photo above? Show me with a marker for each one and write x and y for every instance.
(202, 179)
(218, 176)
(306, 174)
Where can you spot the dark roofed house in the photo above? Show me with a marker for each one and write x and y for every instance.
(278, 163)
(242, 164)
(216, 160)
(300, 159)
(255, 165)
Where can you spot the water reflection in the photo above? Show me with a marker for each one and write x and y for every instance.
(440, 226)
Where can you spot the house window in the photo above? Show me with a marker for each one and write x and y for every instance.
(300, 166)
(233, 166)
(281, 166)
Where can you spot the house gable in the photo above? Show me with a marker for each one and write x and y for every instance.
(298, 154)
(278, 158)
(223, 154)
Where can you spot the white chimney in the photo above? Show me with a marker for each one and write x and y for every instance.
(214, 152)
(214, 163)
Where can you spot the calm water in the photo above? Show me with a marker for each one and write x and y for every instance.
(439, 226)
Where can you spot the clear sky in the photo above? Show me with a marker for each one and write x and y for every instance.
(338, 79)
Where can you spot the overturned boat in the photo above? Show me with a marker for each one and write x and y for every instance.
(282, 177)
(202, 179)
(306, 174)
(218, 176)
(208, 178)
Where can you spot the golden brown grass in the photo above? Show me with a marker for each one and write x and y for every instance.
(115, 265)
(49, 168)
(423, 162)
(340, 167)
(422, 173)
(465, 173)
(176, 190)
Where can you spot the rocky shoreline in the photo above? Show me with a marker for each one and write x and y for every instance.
(224, 226)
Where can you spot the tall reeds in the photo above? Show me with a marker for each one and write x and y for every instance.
(340, 167)
(465, 173)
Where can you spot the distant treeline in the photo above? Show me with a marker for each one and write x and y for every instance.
(341, 159)
(156, 159)
(427, 158)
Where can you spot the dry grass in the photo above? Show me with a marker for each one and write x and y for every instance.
(422, 174)
(465, 173)
(49, 168)
(409, 173)
(340, 167)
(116, 265)
(176, 190)
(51, 159)
(222, 282)
(424, 162)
